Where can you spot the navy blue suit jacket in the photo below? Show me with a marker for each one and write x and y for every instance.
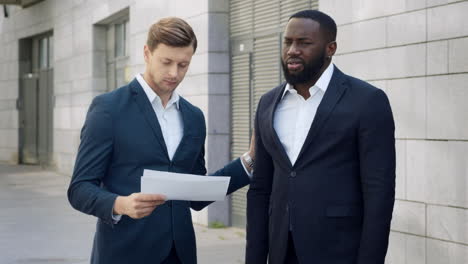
(337, 199)
(120, 138)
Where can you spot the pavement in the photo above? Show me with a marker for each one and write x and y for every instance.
(38, 226)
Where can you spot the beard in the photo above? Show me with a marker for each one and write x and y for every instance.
(310, 70)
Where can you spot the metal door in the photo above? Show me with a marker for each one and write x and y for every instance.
(44, 117)
(36, 100)
(28, 119)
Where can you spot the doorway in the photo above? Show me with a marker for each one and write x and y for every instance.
(35, 102)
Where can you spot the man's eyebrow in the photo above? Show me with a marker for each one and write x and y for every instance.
(170, 60)
(301, 39)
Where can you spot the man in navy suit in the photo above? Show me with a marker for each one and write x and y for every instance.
(145, 125)
(323, 186)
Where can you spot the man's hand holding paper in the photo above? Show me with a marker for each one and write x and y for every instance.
(138, 205)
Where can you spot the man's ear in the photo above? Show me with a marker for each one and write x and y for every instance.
(331, 48)
(146, 53)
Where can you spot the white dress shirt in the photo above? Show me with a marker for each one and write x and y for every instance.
(170, 118)
(294, 115)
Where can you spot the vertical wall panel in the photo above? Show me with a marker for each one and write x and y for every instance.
(289, 7)
(266, 67)
(241, 17)
(266, 14)
(240, 103)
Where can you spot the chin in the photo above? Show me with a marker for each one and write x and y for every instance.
(294, 73)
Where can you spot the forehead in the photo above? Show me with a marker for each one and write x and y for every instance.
(302, 28)
(173, 53)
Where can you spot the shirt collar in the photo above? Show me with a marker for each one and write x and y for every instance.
(152, 96)
(322, 83)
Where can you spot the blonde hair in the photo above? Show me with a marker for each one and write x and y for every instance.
(171, 31)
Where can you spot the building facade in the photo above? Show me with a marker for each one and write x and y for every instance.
(56, 55)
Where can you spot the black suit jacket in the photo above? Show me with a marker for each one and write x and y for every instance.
(120, 138)
(338, 198)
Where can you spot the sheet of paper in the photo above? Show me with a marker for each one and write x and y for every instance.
(189, 187)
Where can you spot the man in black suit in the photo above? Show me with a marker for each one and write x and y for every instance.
(323, 187)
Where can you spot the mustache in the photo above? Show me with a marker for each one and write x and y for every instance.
(295, 60)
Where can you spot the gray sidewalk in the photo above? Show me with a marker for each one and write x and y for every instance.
(37, 225)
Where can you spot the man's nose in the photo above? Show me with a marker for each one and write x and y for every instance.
(293, 49)
(172, 72)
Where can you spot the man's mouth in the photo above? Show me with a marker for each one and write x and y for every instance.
(170, 82)
(295, 64)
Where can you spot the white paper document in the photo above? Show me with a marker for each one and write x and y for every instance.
(180, 186)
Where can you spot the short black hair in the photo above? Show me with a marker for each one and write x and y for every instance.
(327, 24)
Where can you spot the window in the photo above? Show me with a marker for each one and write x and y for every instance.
(46, 52)
(120, 32)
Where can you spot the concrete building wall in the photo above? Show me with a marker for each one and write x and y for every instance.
(417, 52)
(9, 93)
(80, 70)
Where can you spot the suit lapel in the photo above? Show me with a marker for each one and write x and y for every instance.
(148, 112)
(271, 118)
(334, 92)
(187, 119)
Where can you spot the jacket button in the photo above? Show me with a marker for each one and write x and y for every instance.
(293, 174)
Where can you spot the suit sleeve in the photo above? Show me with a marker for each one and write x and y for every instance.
(239, 177)
(377, 166)
(94, 154)
(258, 201)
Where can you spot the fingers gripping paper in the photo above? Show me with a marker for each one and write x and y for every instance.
(189, 187)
